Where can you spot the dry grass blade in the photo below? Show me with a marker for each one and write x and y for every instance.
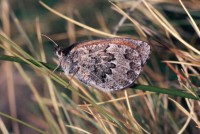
(3, 127)
(53, 103)
(169, 30)
(190, 115)
(79, 129)
(78, 23)
(191, 19)
(135, 23)
(184, 63)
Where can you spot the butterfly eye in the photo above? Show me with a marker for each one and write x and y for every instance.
(59, 53)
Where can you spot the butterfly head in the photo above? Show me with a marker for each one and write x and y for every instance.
(59, 51)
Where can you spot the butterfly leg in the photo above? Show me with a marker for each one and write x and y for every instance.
(71, 77)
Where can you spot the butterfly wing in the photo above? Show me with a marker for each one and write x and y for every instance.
(109, 64)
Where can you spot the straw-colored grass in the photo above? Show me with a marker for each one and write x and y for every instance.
(42, 101)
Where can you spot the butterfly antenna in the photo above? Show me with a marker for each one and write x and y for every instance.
(50, 40)
(56, 47)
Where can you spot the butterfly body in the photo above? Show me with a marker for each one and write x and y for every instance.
(106, 64)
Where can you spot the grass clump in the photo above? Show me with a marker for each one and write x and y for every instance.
(165, 100)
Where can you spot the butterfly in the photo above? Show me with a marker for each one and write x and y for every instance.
(107, 64)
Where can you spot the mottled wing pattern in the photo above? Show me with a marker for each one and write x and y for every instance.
(108, 64)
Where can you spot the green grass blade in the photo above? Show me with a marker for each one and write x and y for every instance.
(173, 92)
(169, 91)
(24, 123)
(18, 60)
